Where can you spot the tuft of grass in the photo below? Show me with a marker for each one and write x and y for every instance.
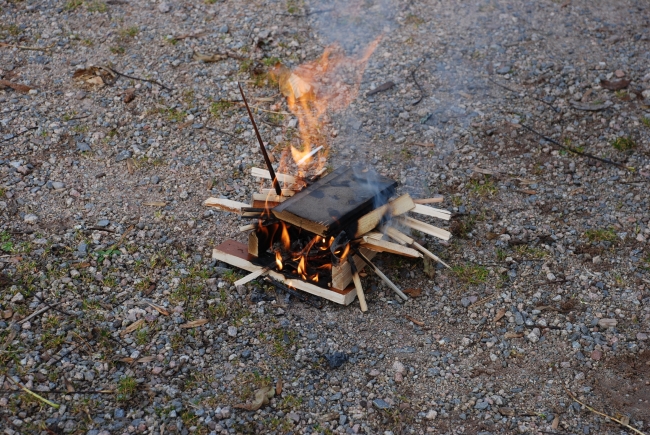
(601, 235)
(72, 5)
(246, 65)
(11, 29)
(126, 388)
(470, 274)
(646, 121)
(118, 49)
(271, 61)
(623, 143)
(483, 188)
(6, 245)
(97, 6)
(129, 32)
(219, 107)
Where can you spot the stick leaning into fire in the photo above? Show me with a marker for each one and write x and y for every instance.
(315, 232)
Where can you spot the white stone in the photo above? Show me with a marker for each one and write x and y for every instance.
(30, 218)
(232, 331)
(164, 8)
(431, 415)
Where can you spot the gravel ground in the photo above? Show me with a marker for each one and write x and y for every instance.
(549, 294)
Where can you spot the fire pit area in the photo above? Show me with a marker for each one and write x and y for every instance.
(317, 238)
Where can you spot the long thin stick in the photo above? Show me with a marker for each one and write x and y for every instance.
(28, 391)
(381, 275)
(603, 414)
(274, 179)
(357, 284)
(140, 79)
(573, 150)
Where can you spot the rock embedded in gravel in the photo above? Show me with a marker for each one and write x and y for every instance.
(164, 7)
(103, 223)
(380, 404)
(123, 155)
(30, 218)
(232, 331)
(607, 323)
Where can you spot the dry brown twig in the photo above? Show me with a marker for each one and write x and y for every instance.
(635, 430)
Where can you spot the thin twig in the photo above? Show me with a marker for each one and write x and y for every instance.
(23, 47)
(223, 132)
(417, 84)
(556, 109)
(573, 150)
(603, 414)
(140, 79)
(34, 314)
(319, 11)
(2, 390)
(52, 307)
(28, 391)
(19, 134)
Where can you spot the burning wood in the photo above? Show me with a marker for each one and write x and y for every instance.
(315, 232)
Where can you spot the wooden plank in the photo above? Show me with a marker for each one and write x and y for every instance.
(428, 200)
(251, 276)
(393, 248)
(398, 236)
(285, 192)
(431, 211)
(236, 254)
(401, 205)
(342, 274)
(424, 227)
(263, 173)
(225, 204)
(396, 207)
(360, 294)
(335, 202)
(270, 197)
(248, 227)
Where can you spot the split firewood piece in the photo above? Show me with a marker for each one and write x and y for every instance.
(386, 246)
(381, 275)
(428, 200)
(285, 192)
(225, 204)
(396, 207)
(248, 227)
(400, 237)
(268, 197)
(357, 285)
(424, 227)
(431, 211)
(251, 276)
(263, 173)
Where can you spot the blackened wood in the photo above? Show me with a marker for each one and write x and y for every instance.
(336, 201)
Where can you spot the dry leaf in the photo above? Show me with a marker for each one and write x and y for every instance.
(500, 314)
(69, 386)
(429, 267)
(513, 335)
(615, 85)
(132, 327)
(556, 422)
(194, 323)
(129, 95)
(491, 236)
(155, 203)
(130, 166)
(262, 397)
(127, 360)
(15, 86)
(95, 75)
(417, 322)
(161, 310)
(146, 359)
(508, 412)
(413, 292)
(529, 192)
(278, 387)
(591, 107)
(151, 288)
(82, 265)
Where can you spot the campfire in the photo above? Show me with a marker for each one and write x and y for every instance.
(314, 231)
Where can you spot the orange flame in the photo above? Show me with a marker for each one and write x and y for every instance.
(284, 237)
(278, 260)
(302, 268)
(313, 89)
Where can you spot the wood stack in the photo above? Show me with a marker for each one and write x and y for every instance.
(348, 210)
